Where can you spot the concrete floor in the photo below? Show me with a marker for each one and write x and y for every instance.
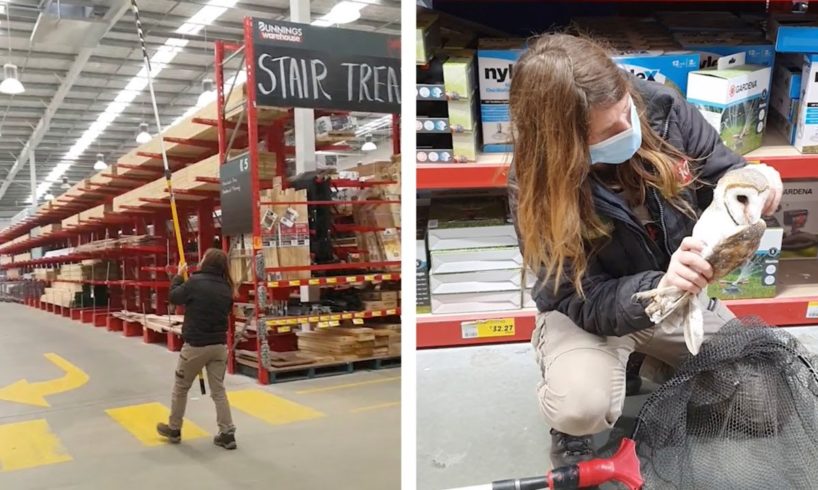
(354, 445)
(478, 419)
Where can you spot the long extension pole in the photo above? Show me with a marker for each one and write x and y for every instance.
(168, 173)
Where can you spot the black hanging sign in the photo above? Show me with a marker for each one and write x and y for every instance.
(236, 196)
(299, 65)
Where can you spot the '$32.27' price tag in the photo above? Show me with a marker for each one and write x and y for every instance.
(498, 327)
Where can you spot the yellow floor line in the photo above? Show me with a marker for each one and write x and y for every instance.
(270, 408)
(29, 444)
(375, 407)
(141, 420)
(348, 385)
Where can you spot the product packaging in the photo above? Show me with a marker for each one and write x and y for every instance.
(757, 277)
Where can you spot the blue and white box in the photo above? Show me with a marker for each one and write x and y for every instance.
(806, 137)
(495, 64)
(670, 68)
(786, 90)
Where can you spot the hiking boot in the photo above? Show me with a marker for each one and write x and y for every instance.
(225, 440)
(567, 449)
(173, 436)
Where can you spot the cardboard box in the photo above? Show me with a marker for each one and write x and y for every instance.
(479, 237)
(798, 216)
(710, 48)
(495, 62)
(670, 68)
(469, 223)
(794, 33)
(458, 75)
(528, 299)
(462, 114)
(806, 140)
(465, 146)
(785, 93)
(785, 128)
(427, 37)
(476, 282)
(443, 304)
(732, 98)
(756, 278)
(472, 260)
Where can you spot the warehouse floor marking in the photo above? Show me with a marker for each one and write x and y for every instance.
(29, 444)
(375, 407)
(348, 385)
(30, 393)
(140, 421)
(270, 408)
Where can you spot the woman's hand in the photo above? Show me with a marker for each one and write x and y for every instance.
(688, 271)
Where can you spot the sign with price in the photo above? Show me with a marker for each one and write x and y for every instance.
(497, 327)
(236, 196)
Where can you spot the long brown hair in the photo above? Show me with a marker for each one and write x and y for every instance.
(556, 83)
(216, 261)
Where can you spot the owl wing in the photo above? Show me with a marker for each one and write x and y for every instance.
(735, 249)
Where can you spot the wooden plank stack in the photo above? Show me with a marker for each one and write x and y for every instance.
(384, 245)
(286, 232)
(45, 274)
(342, 343)
(61, 293)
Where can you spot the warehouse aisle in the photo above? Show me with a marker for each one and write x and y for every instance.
(478, 419)
(84, 417)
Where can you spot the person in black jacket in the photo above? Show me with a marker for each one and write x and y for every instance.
(208, 299)
(609, 173)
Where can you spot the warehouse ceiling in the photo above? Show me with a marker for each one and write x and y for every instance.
(111, 64)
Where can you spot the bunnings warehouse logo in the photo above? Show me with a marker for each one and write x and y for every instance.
(742, 87)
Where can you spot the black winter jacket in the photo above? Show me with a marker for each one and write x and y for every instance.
(629, 261)
(207, 299)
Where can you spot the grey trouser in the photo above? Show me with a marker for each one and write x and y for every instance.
(191, 361)
(582, 390)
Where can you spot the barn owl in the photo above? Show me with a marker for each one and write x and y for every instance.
(731, 229)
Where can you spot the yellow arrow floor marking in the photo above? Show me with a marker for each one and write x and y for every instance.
(29, 393)
(29, 444)
(141, 420)
(270, 408)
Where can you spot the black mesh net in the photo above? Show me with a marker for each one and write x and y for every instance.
(742, 414)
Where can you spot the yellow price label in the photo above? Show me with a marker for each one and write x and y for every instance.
(357, 321)
(284, 329)
(334, 323)
(295, 283)
(332, 280)
(323, 325)
(479, 329)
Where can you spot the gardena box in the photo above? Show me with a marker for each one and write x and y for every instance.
(806, 135)
(798, 215)
(733, 99)
(757, 277)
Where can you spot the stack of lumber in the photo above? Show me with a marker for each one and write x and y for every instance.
(96, 213)
(49, 229)
(70, 222)
(25, 257)
(381, 246)
(387, 335)
(239, 256)
(45, 274)
(343, 344)
(284, 359)
(380, 299)
(114, 243)
(58, 253)
(166, 323)
(13, 274)
(95, 270)
(286, 232)
(128, 316)
(61, 293)
(6, 259)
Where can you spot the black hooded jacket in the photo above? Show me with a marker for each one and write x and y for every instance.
(207, 299)
(630, 261)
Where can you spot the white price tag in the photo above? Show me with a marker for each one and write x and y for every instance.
(812, 309)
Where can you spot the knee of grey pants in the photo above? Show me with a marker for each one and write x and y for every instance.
(582, 389)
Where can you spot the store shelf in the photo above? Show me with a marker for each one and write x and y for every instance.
(796, 304)
(331, 281)
(491, 169)
(332, 317)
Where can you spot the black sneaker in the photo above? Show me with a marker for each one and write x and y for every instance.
(567, 449)
(227, 441)
(173, 436)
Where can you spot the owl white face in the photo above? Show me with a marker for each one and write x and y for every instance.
(744, 204)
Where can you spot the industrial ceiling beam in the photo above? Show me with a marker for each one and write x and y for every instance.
(111, 17)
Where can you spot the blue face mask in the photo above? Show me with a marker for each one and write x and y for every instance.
(621, 147)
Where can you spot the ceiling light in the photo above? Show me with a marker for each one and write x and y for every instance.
(65, 185)
(11, 84)
(208, 93)
(49, 197)
(369, 145)
(144, 136)
(100, 163)
(344, 12)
